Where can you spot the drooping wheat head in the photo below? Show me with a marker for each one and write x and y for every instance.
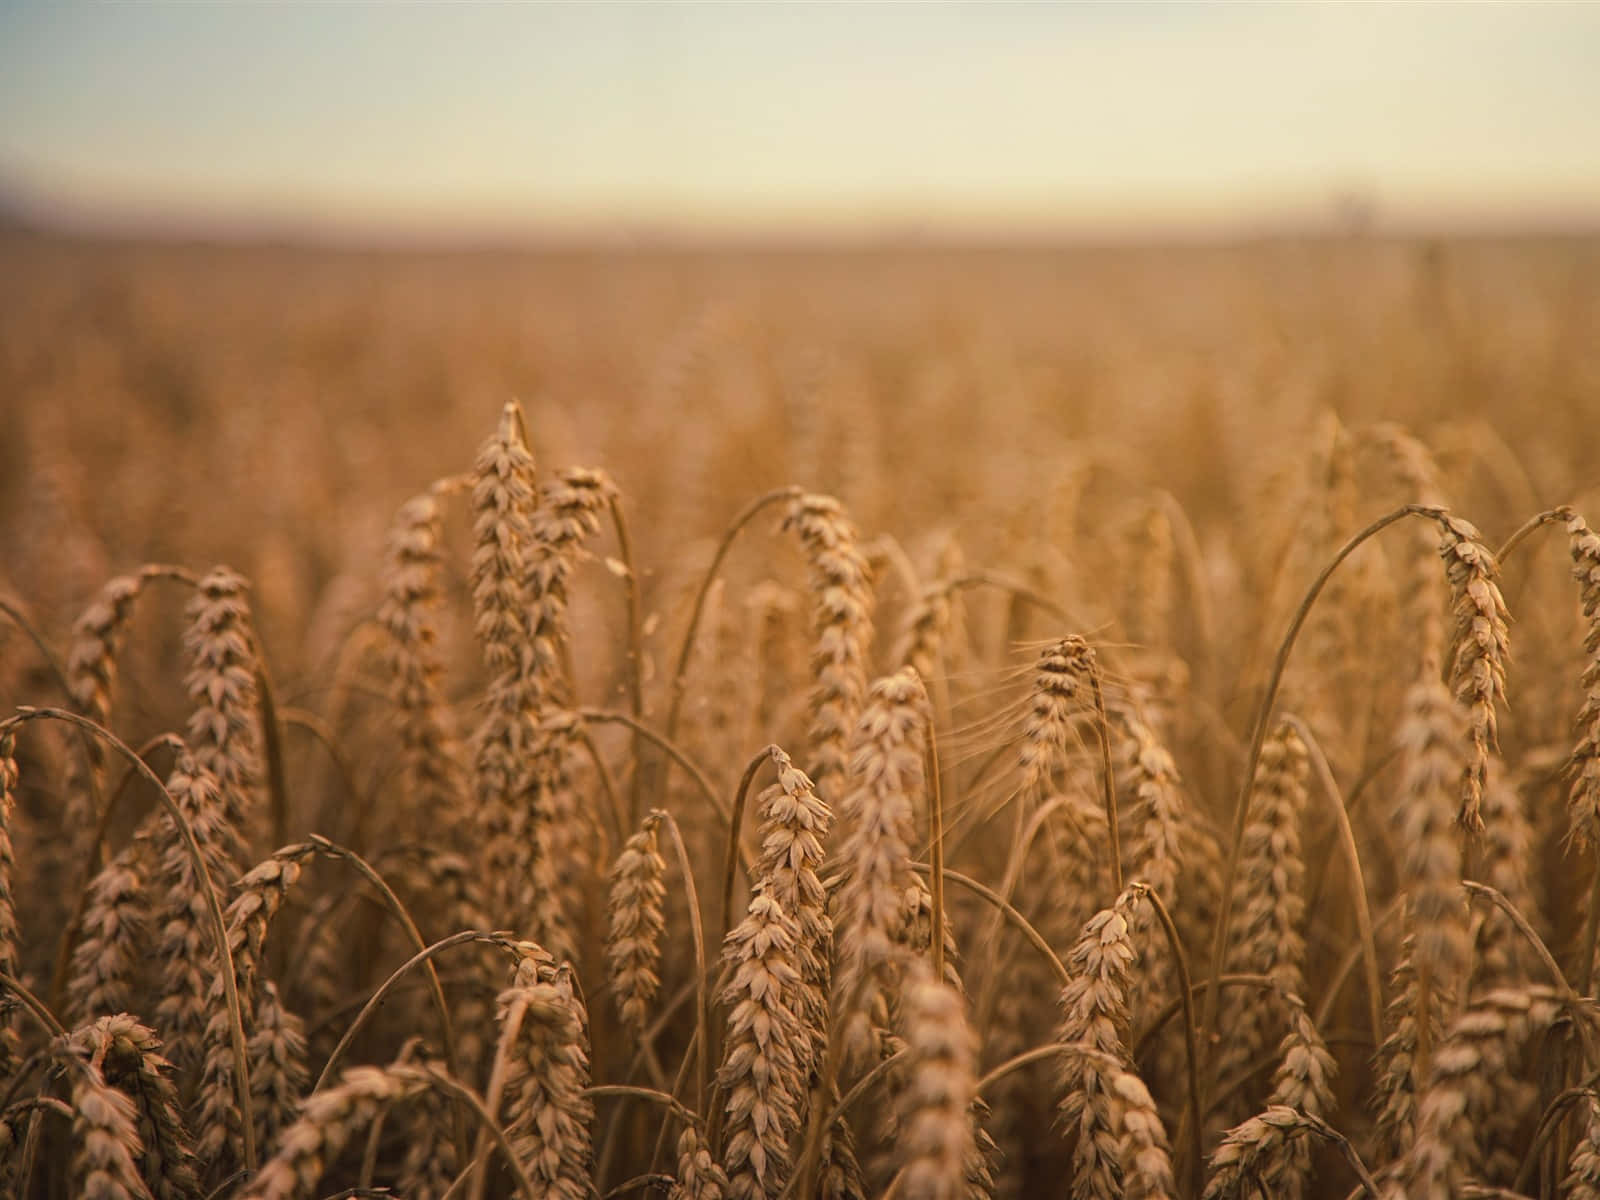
(1481, 650)
(548, 1119)
(128, 1057)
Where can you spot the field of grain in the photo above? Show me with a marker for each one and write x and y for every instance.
(889, 723)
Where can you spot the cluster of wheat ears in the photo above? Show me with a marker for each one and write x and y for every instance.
(813, 911)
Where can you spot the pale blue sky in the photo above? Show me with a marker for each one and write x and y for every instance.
(859, 117)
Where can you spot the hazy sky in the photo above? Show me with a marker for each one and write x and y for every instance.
(701, 117)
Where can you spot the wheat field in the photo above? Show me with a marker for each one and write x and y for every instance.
(896, 723)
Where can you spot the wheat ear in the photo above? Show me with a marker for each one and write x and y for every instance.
(327, 1121)
(700, 1177)
(1254, 1151)
(10, 937)
(502, 501)
(1466, 1078)
(185, 944)
(409, 614)
(1268, 896)
(935, 1132)
(879, 823)
(548, 1117)
(261, 894)
(1584, 806)
(222, 682)
(1583, 1167)
(1094, 1011)
(1481, 650)
(106, 1123)
(116, 927)
(128, 1057)
(842, 596)
(762, 1074)
(794, 825)
(633, 948)
(1435, 948)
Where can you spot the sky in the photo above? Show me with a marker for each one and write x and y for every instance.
(756, 118)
